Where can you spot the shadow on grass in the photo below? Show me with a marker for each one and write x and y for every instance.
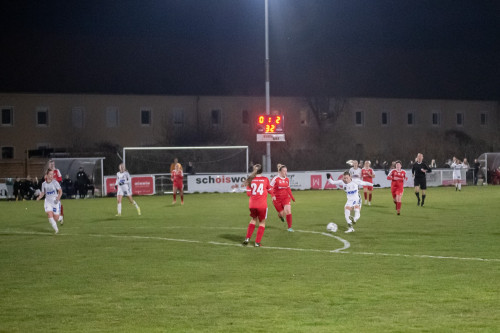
(233, 238)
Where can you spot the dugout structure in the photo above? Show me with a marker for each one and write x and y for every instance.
(490, 168)
(92, 166)
(209, 159)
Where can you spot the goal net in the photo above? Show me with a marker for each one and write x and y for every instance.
(213, 159)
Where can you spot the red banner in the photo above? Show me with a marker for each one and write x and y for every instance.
(143, 185)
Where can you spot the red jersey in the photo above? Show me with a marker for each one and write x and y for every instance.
(281, 187)
(57, 175)
(177, 176)
(397, 177)
(257, 191)
(366, 175)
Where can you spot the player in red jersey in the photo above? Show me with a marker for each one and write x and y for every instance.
(58, 178)
(282, 195)
(367, 175)
(177, 179)
(398, 177)
(257, 189)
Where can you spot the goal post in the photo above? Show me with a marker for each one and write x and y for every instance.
(205, 159)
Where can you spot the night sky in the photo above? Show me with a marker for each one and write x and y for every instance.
(351, 48)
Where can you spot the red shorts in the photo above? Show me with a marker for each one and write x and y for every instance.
(280, 203)
(260, 213)
(397, 190)
(179, 185)
(369, 188)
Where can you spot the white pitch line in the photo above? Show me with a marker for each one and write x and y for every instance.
(8, 232)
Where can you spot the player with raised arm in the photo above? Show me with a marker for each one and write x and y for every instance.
(457, 166)
(258, 187)
(178, 182)
(52, 192)
(419, 171)
(351, 189)
(397, 177)
(367, 175)
(124, 186)
(282, 195)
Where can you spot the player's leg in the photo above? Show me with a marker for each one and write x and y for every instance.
(287, 210)
(251, 226)
(262, 226)
(52, 222)
(357, 213)
(349, 219)
(119, 204)
(132, 201)
(181, 190)
(365, 193)
(174, 189)
(423, 188)
(417, 194)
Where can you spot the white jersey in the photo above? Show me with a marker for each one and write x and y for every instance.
(51, 191)
(457, 172)
(351, 190)
(355, 173)
(124, 183)
(51, 203)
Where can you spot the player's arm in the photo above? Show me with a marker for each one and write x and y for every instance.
(361, 182)
(390, 176)
(249, 191)
(289, 190)
(42, 193)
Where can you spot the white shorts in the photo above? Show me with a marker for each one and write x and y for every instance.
(51, 207)
(123, 191)
(353, 202)
(455, 177)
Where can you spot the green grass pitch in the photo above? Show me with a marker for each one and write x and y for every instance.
(182, 268)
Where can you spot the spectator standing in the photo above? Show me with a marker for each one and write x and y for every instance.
(67, 186)
(433, 164)
(81, 183)
(190, 168)
(18, 189)
(476, 167)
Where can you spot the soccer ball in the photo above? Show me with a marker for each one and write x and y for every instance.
(331, 227)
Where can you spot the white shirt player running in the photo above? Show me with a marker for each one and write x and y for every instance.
(51, 204)
(351, 190)
(124, 183)
(457, 173)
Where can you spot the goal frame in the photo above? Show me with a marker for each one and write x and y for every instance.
(189, 148)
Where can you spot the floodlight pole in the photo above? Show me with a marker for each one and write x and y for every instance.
(268, 104)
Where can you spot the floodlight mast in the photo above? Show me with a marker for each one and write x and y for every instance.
(268, 103)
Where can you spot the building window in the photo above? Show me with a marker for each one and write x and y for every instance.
(215, 118)
(42, 116)
(460, 119)
(7, 153)
(146, 117)
(179, 117)
(359, 118)
(244, 117)
(304, 117)
(7, 116)
(112, 116)
(385, 118)
(78, 117)
(410, 118)
(483, 120)
(436, 119)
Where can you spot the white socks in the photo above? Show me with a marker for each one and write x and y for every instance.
(53, 224)
(119, 208)
(135, 204)
(347, 213)
(356, 214)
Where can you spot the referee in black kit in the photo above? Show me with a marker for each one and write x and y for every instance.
(418, 172)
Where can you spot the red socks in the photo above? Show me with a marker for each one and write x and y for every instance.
(398, 206)
(175, 196)
(370, 197)
(260, 233)
(251, 228)
(289, 220)
(366, 195)
(62, 210)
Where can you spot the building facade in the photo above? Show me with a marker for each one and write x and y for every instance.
(320, 132)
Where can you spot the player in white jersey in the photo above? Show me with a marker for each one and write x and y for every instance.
(52, 192)
(457, 173)
(355, 171)
(124, 187)
(351, 188)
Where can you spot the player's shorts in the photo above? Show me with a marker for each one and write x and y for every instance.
(457, 177)
(51, 207)
(280, 203)
(123, 191)
(179, 185)
(421, 182)
(260, 213)
(397, 190)
(353, 202)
